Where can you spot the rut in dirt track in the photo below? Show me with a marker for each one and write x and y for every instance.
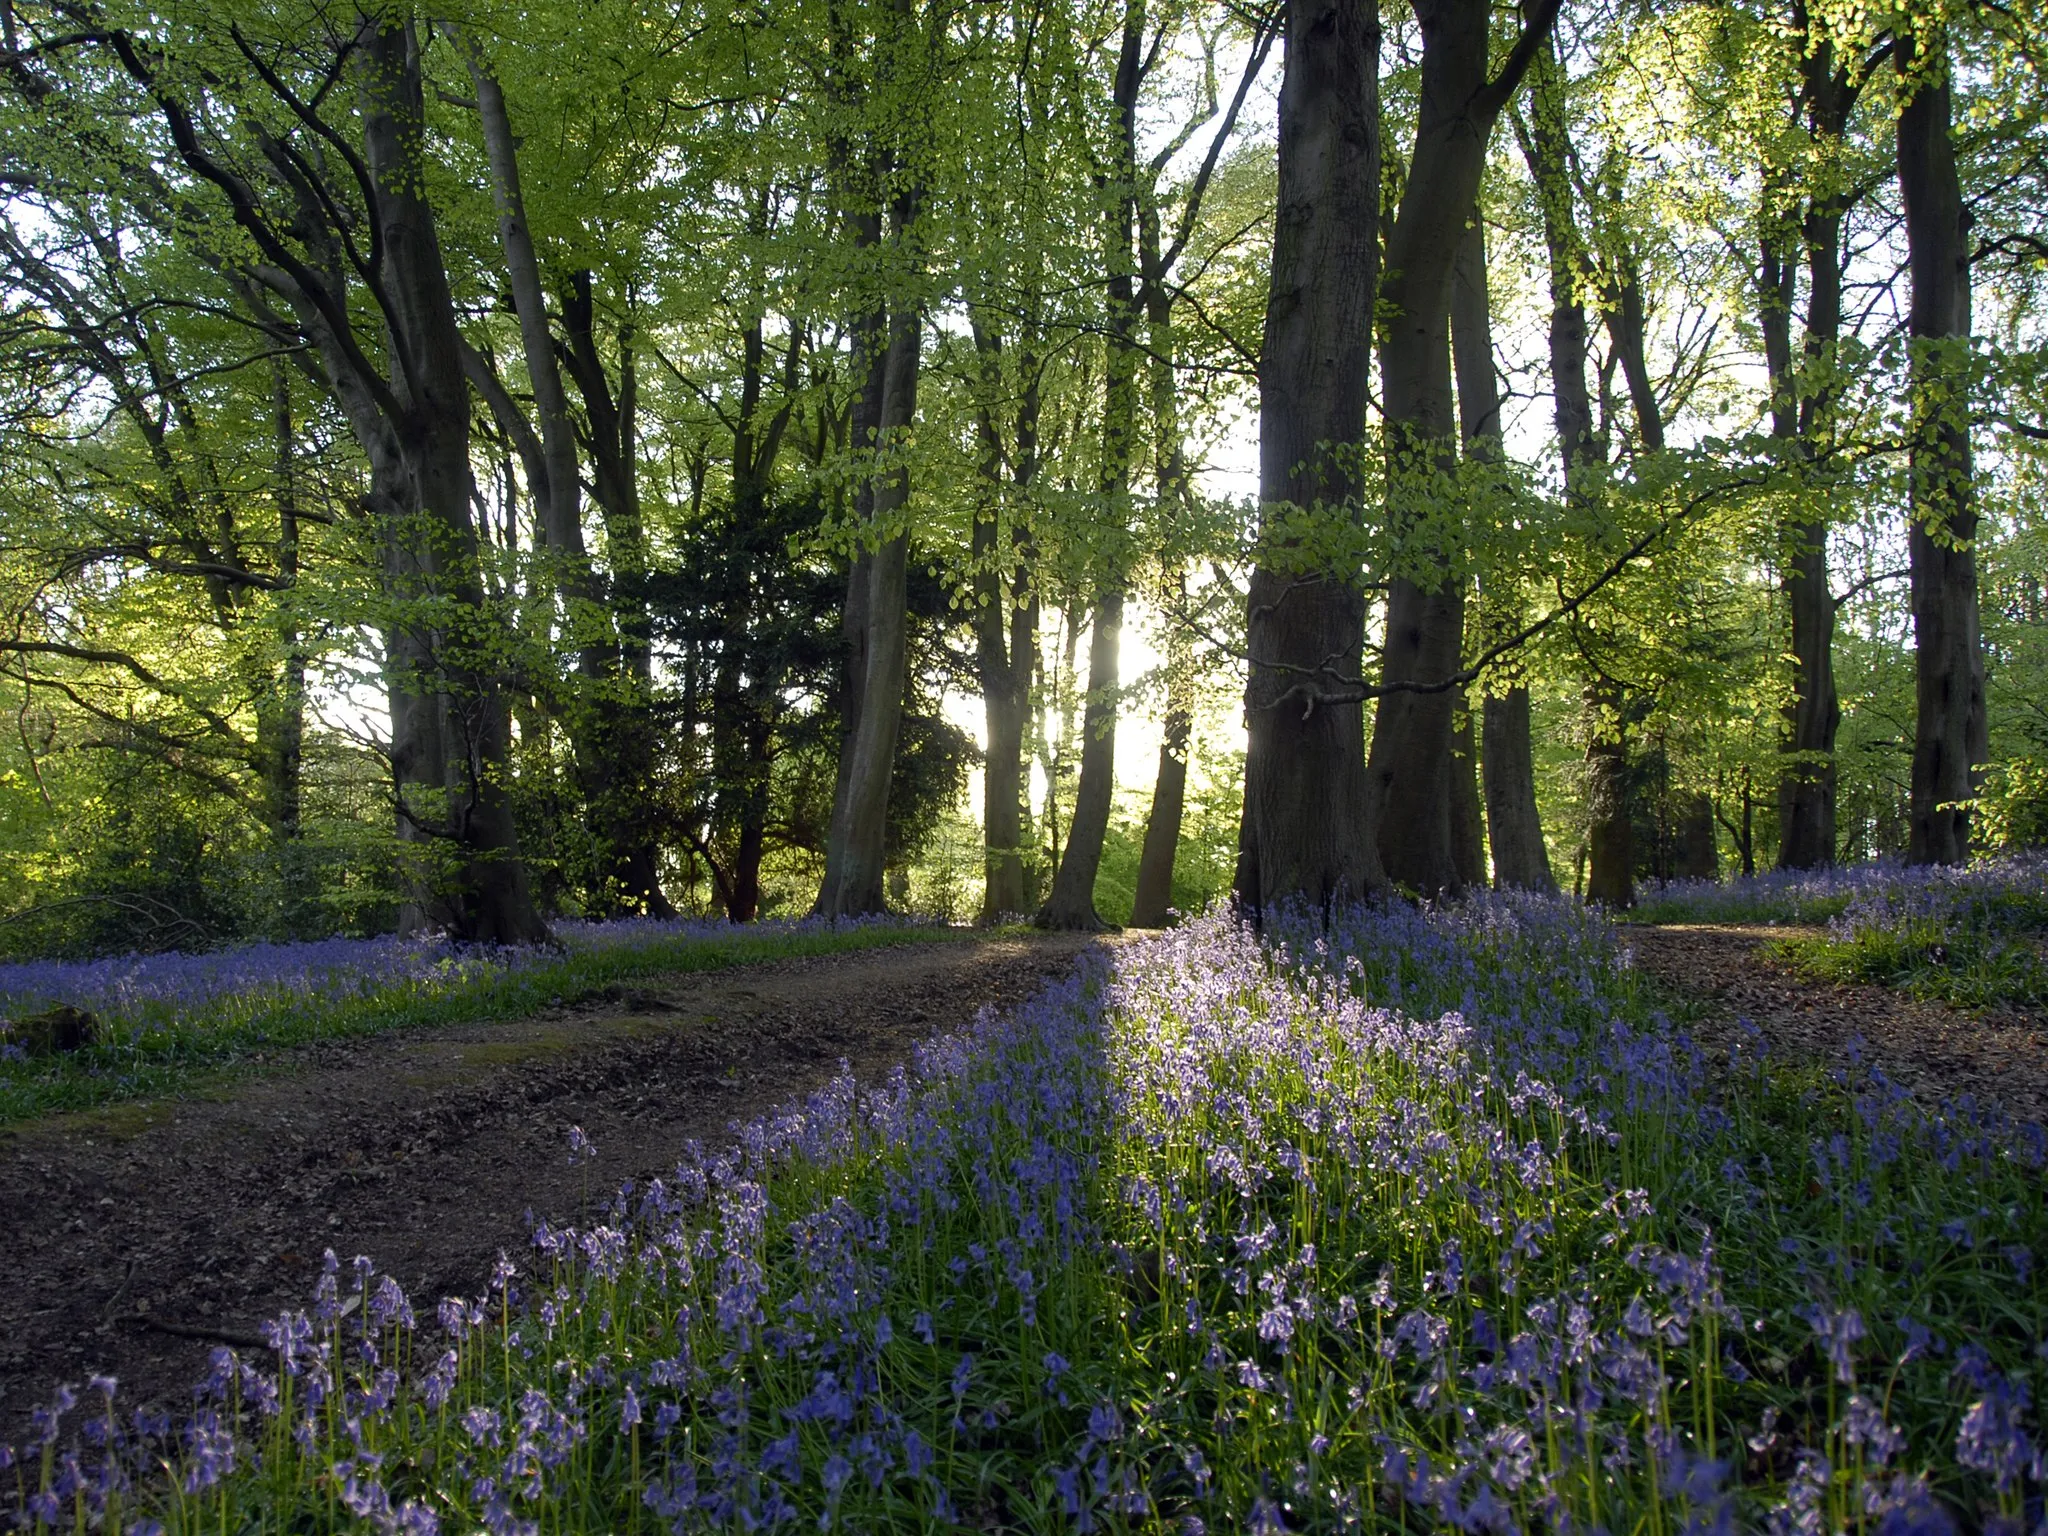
(141, 1237)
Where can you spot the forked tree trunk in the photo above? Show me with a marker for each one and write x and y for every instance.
(1306, 833)
(1949, 733)
(854, 884)
(597, 712)
(1410, 767)
(448, 717)
(624, 730)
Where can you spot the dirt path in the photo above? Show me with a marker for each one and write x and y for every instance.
(1939, 1052)
(129, 1230)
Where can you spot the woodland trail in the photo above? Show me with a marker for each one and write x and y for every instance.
(1937, 1052)
(142, 1236)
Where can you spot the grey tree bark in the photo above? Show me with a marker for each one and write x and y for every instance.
(1802, 411)
(449, 721)
(857, 852)
(1071, 903)
(1005, 630)
(601, 712)
(1505, 762)
(1409, 771)
(1306, 833)
(1950, 732)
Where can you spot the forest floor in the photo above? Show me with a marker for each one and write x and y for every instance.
(142, 1236)
(1723, 973)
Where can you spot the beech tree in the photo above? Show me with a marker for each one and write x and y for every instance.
(1307, 829)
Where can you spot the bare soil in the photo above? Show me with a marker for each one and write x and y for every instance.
(1938, 1052)
(138, 1238)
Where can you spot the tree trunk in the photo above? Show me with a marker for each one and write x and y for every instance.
(1949, 736)
(1006, 635)
(1610, 832)
(1468, 816)
(1306, 833)
(1514, 779)
(751, 841)
(1153, 901)
(281, 721)
(620, 727)
(1699, 855)
(1806, 785)
(1072, 901)
(1152, 906)
(870, 330)
(854, 882)
(1409, 770)
(1520, 859)
(1004, 893)
(449, 722)
(1610, 844)
(1546, 146)
(610, 773)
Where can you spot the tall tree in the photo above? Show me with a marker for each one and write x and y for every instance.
(1950, 732)
(597, 706)
(1006, 605)
(890, 328)
(1803, 398)
(1158, 294)
(1306, 834)
(1545, 137)
(1071, 903)
(329, 205)
(1409, 772)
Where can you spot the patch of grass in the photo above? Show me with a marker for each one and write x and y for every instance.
(1983, 950)
(168, 1048)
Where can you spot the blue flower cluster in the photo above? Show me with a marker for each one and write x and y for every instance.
(134, 994)
(1420, 1216)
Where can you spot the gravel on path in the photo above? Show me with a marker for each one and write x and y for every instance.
(142, 1236)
